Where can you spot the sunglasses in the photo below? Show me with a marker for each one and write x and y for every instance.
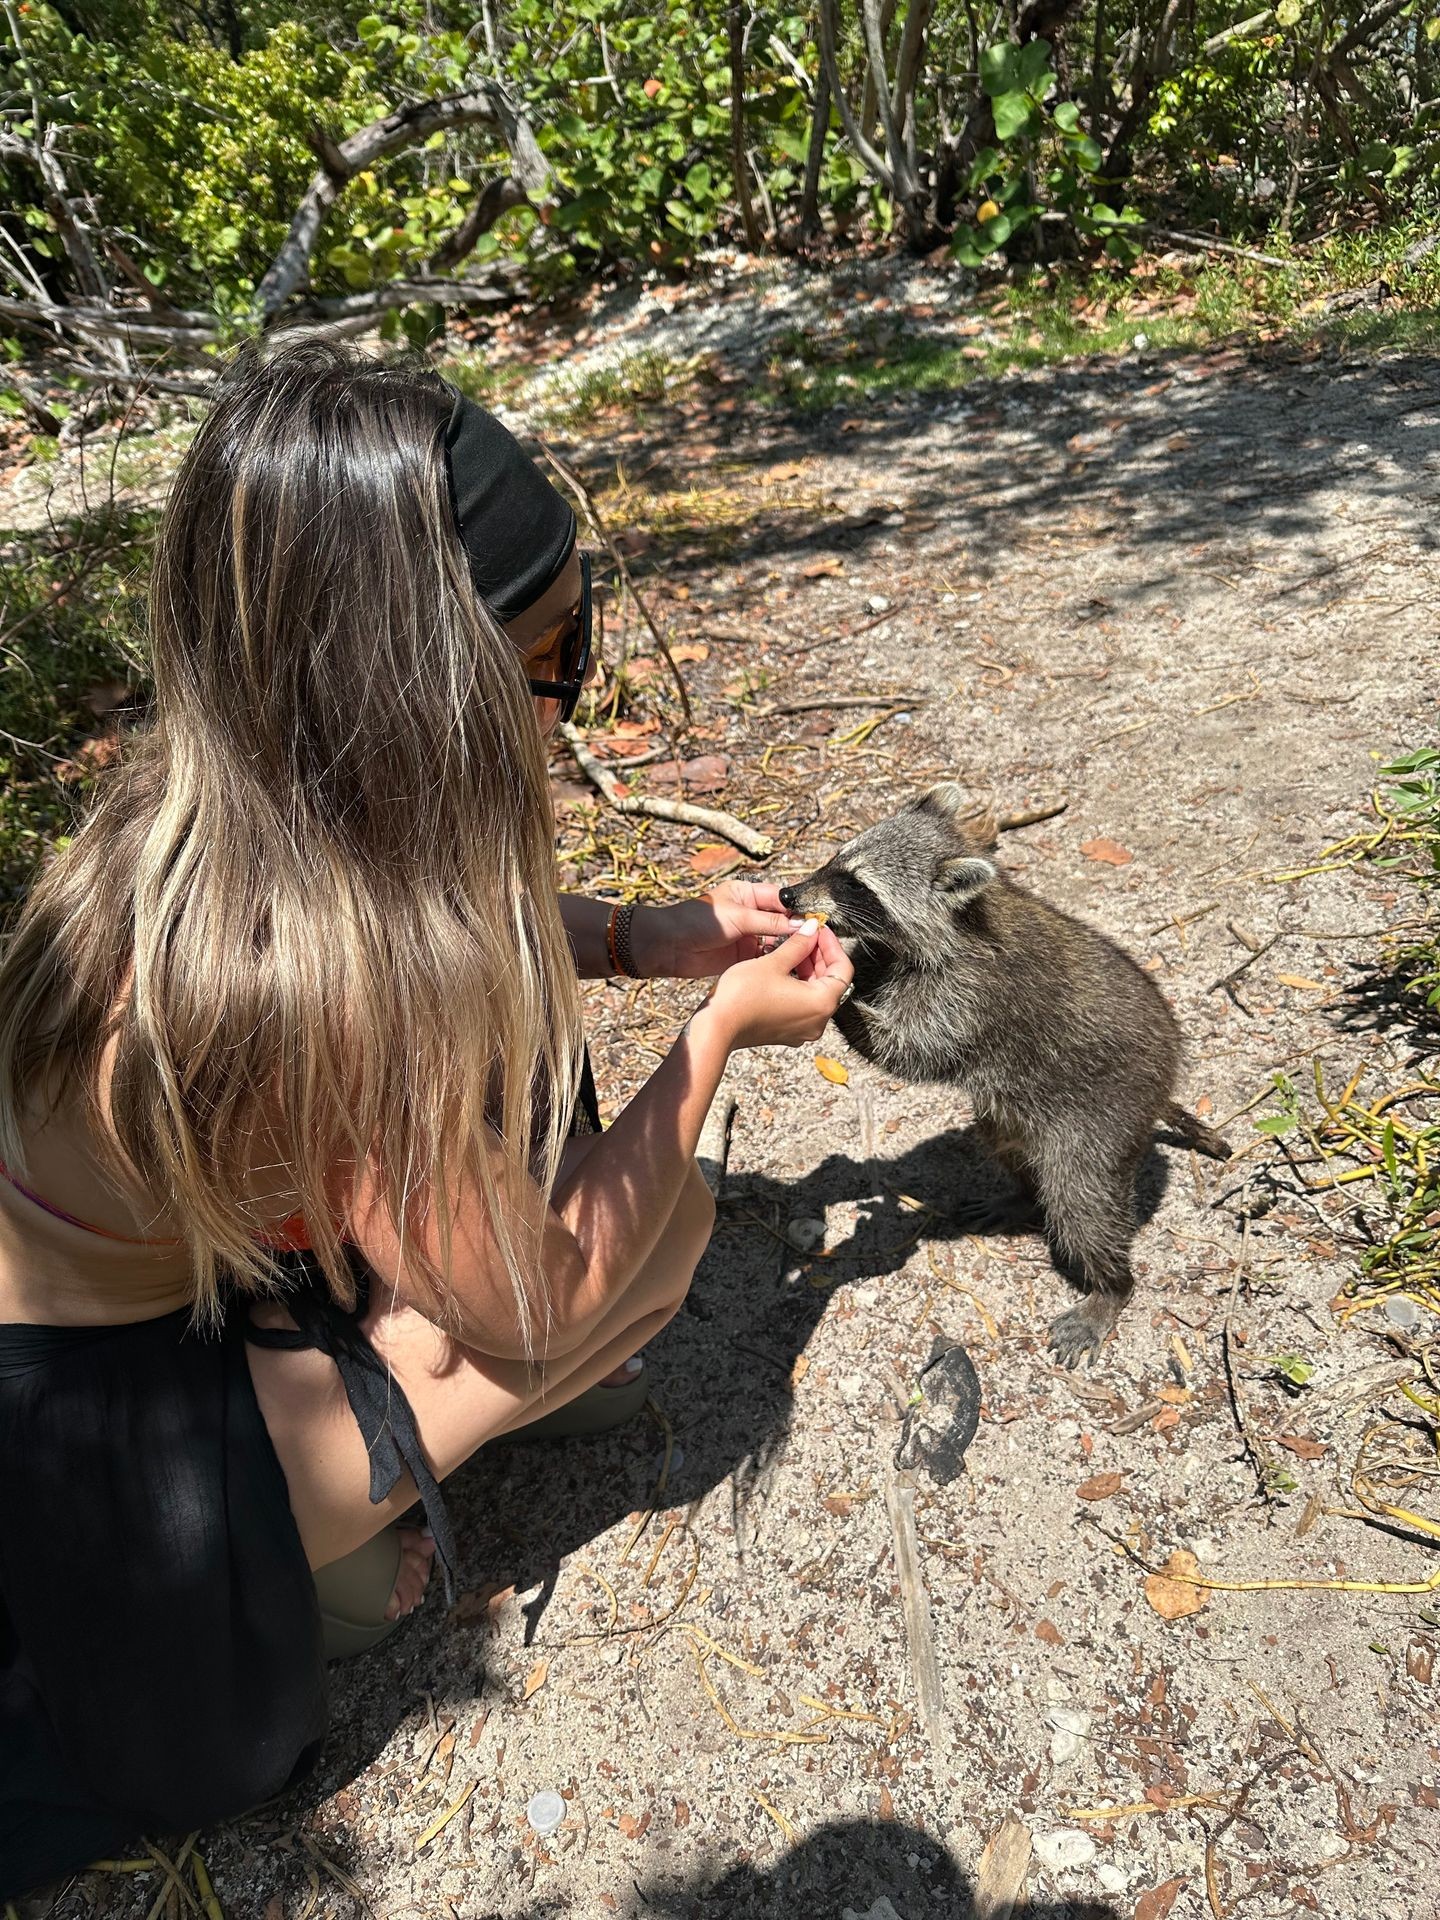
(558, 660)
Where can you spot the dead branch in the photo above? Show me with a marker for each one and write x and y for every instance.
(1207, 245)
(1029, 816)
(602, 533)
(919, 1625)
(497, 196)
(1259, 1461)
(758, 845)
(488, 104)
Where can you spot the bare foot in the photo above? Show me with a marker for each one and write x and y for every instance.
(417, 1556)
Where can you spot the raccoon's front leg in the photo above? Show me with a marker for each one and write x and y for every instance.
(1091, 1215)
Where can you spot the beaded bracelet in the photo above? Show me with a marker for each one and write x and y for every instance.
(617, 941)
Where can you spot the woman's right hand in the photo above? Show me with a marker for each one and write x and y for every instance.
(785, 998)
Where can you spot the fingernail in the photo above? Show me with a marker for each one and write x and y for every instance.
(808, 927)
(796, 925)
(426, 1533)
(634, 1364)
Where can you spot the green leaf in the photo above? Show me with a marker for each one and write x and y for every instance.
(998, 67)
(369, 28)
(1067, 116)
(698, 180)
(1033, 67)
(1277, 1124)
(1012, 114)
(1387, 1149)
(1293, 1367)
(1432, 29)
(1288, 13)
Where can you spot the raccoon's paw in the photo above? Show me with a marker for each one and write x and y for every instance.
(1081, 1333)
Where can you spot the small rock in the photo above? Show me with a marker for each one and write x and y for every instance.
(1071, 1725)
(877, 603)
(882, 1910)
(1142, 341)
(1402, 1313)
(1110, 1878)
(1064, 1851)
(806, 1235)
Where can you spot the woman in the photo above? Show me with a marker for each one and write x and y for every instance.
(295, 1215)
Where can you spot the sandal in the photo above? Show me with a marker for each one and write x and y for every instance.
(597, 1410)
(354, 1593)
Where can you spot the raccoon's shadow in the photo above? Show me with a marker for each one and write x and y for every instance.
(946, 1188)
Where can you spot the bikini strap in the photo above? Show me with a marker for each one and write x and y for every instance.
(73, 1220)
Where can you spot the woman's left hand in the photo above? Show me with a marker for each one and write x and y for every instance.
(699, 938)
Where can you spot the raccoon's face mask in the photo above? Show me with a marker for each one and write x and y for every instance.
(900, 884)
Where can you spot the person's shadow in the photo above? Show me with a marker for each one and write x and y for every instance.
(868, 1869)
(723, 1378)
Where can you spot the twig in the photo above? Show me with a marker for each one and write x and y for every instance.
(827, 700)
(1220, 246)
(758, 845)
(603, 535)
(1227, 982)
(852, 633)
(1029, 816)
(919, 1627)
(1257, 1458)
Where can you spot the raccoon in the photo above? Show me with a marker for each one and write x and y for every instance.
(1066, 1048)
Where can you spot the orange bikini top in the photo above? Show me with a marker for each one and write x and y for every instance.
(289, 1236)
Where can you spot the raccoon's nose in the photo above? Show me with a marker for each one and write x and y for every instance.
(787, 899)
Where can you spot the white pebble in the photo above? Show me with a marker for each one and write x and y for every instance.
(806, 1235)
(1064, 1851)
(1110, 1878)
(877, 603)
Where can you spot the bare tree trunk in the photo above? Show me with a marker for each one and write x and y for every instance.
(494, 198)
(814, 160)
(1149, 70)
(907, 74)
(873, 162)
(751, 226)
(867, 91)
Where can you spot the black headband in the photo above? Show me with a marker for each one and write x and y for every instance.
(517, 530)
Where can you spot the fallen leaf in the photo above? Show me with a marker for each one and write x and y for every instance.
(1049, 1633)
(1167, 1418)
(1299, 980)
(800, 1369)
(833, 1070)
(818, 569)
(536, 1677)
(887, 1804)
(481, 1603)
(1174, 1396)
(274, 1908)
(682, 1813)
(633, 1825)
(1110, 851)
(1159, 1795)
(1204, 1104)
(1100, 1486)
(689, 650)
(1301, 1444)
(710, 773)
(710, 859)
(1155, 1904)
(1173, 1597)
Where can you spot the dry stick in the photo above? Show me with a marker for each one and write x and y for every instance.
(919, 1627)
(853, 633)
(1219, 246)
(1228, 981)
(602, 533)
(1257, 1458)
(824, 701)
(725, 824)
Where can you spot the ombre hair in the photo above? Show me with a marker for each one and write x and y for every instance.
(314, 903)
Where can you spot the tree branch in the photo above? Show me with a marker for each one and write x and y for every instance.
(497, 196)
(758, 845)
(486, 105)
(864, 152)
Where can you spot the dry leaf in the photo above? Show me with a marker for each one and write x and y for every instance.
(818, 569)
(887, 1804)
(682, 1813)
(1110, 851)
(1155, 1904)
(800, 1369)
(536, 1677)
(1204, 1105)
(633, 1825)
(481, 1603)
(1301, 1444)
(1166, 1419)
(1100, 1486)
(1174, 1396)
(833, 1070)
(1299, 980)
(1172, 1596)
(1049, 1633)
(711, 859)
(274, 1908)
(689, 650)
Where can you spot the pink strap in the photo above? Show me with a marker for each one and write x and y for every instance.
(70, 1219)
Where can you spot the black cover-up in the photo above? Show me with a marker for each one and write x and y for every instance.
(161, 1660)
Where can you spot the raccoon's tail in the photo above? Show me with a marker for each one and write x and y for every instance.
(1194, 1132)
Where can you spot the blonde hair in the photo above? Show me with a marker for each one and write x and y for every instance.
(316, 899)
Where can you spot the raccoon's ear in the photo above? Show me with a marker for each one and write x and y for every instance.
(947, 801)
(962, 876)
